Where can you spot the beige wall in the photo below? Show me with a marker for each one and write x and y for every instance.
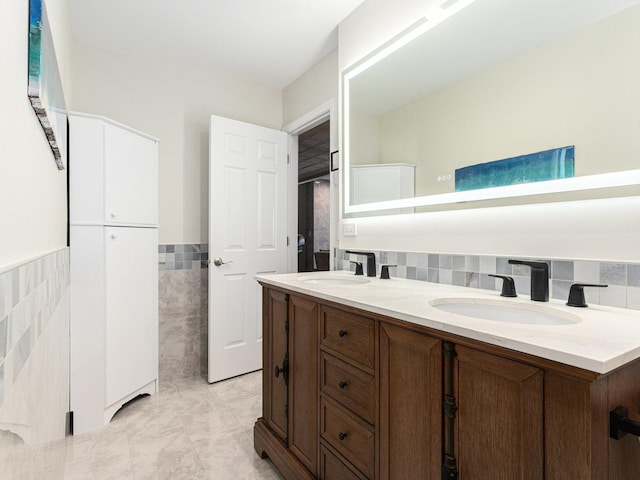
(33, 209)
(315, 87)
(599, 230)
(173, 103)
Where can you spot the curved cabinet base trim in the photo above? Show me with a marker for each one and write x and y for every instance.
(149, 389)
(268, 444)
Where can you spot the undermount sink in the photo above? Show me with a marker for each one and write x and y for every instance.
(501, 311)
(332, 280)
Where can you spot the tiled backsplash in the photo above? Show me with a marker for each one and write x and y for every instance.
(183, 257)
(466, 270)
(473, 271)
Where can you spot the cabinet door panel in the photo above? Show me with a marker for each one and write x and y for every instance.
(275, 306)
(624, 454)
(131, 330)
(303, 381)
(499, 422)
(410, 405)
(131, 178)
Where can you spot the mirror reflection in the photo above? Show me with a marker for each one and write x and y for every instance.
(502, 93)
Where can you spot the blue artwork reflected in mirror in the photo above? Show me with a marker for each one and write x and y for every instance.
(44, 84)
(534, 167)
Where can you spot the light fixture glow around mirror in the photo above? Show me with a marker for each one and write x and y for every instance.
(563, 18)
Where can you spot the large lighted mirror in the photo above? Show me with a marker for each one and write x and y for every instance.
(496, 99)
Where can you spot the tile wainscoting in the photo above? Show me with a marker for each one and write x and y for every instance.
(192, 256)
(183, 307)
(473, 271)
(34, 350)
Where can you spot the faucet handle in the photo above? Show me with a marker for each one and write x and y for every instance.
(576, 294)
(358, 265)
(384, 272)
(508, 286)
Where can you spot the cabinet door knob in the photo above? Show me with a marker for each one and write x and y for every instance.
(342, 435)
(342, 333)
(342, 384)
(113, 214)
(114, 236)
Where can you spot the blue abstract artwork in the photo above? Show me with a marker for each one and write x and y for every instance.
(551, 164)
(44, 87)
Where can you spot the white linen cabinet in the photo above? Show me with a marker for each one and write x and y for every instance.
(113, 215)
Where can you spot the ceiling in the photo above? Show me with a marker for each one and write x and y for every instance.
(267, 42)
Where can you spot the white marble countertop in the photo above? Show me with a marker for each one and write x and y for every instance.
(599, 338)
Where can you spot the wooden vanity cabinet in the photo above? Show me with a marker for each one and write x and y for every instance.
(410, 427)
(370, 397)
(275, 354)
(288, 429)
(348, 390)
(499, 419)
(303, 381)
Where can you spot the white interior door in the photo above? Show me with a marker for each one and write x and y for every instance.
(247, 236)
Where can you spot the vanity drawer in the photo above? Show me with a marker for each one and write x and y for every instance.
(352, 387)
(351, 336)
(350, 436)
(333, 468)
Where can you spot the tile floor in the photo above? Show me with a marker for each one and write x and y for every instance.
(190, 430)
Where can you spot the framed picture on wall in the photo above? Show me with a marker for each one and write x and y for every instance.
(44, 86)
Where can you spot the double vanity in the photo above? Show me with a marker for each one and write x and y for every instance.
(367, 378)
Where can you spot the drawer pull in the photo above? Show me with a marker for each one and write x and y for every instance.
(342, 333)
(342, 435)
(342, 384)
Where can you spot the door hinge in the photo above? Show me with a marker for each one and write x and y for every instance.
(287, 241)
(288, 159)
(286, 326)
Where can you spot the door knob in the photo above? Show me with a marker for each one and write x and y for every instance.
(218, 262)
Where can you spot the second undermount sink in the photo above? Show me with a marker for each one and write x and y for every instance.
(507, 312)
(332, 280)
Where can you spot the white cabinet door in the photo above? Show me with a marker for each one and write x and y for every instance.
(131, 330)
(131, 177)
